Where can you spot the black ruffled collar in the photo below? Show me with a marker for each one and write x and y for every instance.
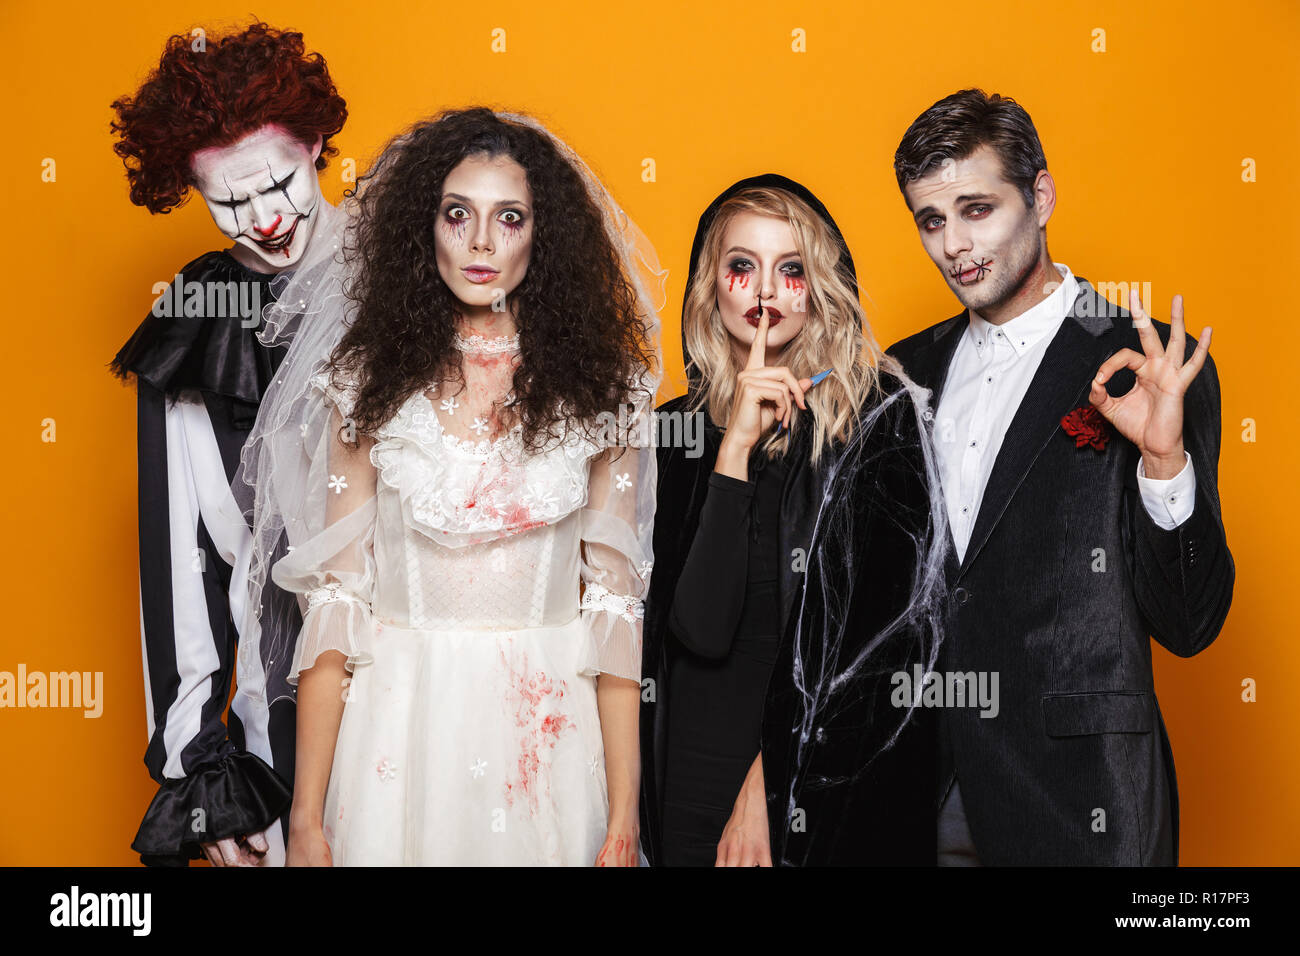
(216, 354)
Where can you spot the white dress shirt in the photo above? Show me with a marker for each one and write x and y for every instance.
(990, 372)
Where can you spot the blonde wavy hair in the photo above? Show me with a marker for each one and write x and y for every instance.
(836, 334)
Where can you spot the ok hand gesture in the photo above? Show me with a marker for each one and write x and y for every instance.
(1151, 414)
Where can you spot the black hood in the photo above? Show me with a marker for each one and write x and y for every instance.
(772, 181)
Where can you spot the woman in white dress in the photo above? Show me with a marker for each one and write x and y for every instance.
(457, 476)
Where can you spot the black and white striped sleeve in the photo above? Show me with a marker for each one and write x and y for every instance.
(209, 787)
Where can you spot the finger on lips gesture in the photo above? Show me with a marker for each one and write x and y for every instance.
(776, 384)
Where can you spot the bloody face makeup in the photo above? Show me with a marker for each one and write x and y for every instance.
(262, 192)
(484, 236)
(978, 231)
(760, 263)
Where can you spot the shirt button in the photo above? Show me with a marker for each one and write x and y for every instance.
(961, 595)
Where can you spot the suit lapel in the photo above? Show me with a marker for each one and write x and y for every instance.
(929, 368)
(1059, 385)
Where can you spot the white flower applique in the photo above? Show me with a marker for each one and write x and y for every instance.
(480, 425)
(337, 483)
(424, 422)
(478, 769)
(597, 597)
(386, 769)
(539, 496)
(623, 482)
(449, 405)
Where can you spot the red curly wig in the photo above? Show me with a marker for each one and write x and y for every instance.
(214, 97)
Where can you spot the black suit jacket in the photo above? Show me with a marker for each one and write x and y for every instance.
(1064, 579)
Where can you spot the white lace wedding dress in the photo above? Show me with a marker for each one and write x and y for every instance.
(477, 592)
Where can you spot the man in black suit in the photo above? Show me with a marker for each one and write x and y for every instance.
(1078, 445)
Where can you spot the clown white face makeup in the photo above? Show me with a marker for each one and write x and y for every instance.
(759, 262)
(484, 239)
(262, 192)
(990, 247)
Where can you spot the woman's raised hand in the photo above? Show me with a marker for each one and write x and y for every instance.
(763, 394)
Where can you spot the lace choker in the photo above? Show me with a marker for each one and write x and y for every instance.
(479, 343)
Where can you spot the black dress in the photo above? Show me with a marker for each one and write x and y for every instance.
(729, 585)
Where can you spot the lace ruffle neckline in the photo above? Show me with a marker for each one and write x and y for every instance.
(479, 343)
(426, 421)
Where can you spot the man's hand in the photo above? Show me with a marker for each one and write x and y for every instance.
(1151, 414)
(238, 851)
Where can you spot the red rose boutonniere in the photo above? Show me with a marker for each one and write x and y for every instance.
(1087, 426)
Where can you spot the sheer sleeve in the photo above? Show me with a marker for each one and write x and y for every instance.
(331, 564)
(618, 545)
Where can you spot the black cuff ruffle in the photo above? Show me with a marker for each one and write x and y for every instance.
(238, 795)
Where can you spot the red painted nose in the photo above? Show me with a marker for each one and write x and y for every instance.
(270, 230)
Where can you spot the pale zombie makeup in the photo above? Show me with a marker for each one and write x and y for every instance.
(976, 228)
(484, 235)
(760, 263)
(262, 192)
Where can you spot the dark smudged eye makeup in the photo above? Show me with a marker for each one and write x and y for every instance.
(747, 265)
(510, 218)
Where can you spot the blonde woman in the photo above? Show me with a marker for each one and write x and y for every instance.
(796, 562)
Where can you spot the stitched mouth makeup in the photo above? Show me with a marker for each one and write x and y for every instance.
(972, 273)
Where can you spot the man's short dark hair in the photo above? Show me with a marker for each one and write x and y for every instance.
(962, 122)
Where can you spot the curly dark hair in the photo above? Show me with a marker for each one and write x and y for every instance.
(194, 100)
(581, 338)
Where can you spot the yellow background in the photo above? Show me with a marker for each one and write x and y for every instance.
(1145, 142)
